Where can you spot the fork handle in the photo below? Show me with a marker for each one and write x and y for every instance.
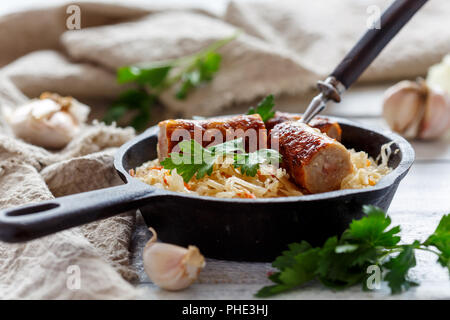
(374, 40)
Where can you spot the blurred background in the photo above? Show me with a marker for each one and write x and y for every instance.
(284, 47)
(217, 6)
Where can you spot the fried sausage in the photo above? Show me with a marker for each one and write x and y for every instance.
(316, 162)
(331, 128)
(212, 131)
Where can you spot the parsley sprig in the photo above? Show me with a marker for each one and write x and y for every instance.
(343, 262)
(264, 108)
(194, 160)
(151, 79)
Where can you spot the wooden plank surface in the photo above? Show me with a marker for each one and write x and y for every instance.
(421, 200)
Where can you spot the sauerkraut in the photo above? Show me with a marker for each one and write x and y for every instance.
(367, 171)
(269, 182)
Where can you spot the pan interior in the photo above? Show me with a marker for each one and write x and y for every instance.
(369, 141)
(142, 151)
(258, 230)
(361, 139)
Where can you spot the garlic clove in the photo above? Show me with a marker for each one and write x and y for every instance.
(79, 111)
(52, 133)
(416, 110)
(172, 267)
(50, 122)
(436, 120)
(403, 104)
(413, 129)
(40, 109)
(438, 76)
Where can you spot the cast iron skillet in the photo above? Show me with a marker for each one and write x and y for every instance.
(233, 229)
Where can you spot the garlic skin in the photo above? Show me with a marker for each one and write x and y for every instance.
(416, 110)
(403, 105)
(171, 267)
(438, 76)
(50, 122)
(436, 120)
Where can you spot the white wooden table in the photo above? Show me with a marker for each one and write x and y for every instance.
(421, 200)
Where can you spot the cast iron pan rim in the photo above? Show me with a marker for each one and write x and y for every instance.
(407, 160)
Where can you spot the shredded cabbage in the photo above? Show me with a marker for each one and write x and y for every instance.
(228, 182)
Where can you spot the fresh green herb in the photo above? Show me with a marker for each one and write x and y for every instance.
(343, 262)
(264, 108)
(441, 240)
(193, 159)
(151, 79)
(152, 75)
(397, 276)
(132, 100)
(248, 163)
(202, 71)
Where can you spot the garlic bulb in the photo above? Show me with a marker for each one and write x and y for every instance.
(436, 120)
(51, 121)
(171, 267)
(402, 106)
(416, 110)
(438, 76)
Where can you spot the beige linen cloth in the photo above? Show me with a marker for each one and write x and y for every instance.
(285, 47)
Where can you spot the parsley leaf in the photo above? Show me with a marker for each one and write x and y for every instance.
(287, 258)
(343, 262)
(202, 71)
(151, 79)
(231, 146)
(138, 102)
(398, 269)
(339, 268)
(441, 240)
(151, 75)
(264, 108)
(194, 160)
(372, 229)
(297, 265)
(249, 162)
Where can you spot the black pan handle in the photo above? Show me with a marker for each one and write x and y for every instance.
(36, 220)
(374, 40)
